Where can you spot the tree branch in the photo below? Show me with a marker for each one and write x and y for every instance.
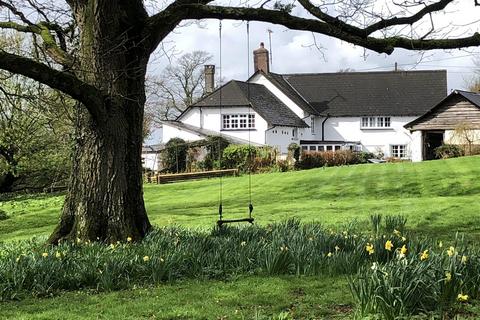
(380, 45)
(87, 94)
(434, 7)
(50, 45)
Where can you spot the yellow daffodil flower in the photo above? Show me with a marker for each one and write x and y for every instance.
(329, 254)
(243, 243)
(451, 251)
(45, 254)
(462, 297)
(58, 255)
(369, 248)
(403, 250)
(146, 259)
(424, 255)
(129, 239)
(448, 276)
(464, 259)
(396, 232)
(337, 248)
(388, 245)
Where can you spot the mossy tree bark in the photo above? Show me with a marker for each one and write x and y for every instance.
(105, 198)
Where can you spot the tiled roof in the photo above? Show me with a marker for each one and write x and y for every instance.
(258, 97)
(393, 93)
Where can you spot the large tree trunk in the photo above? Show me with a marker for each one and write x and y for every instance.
(105, 196)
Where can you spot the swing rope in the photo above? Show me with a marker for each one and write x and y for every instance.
(220, 206)
(249, 122)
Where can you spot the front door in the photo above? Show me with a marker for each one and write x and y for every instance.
(431, 141)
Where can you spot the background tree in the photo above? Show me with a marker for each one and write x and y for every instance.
(35, 131)
(104, 69)
(178, 86)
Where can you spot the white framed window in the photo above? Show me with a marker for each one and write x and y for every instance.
(295, 133)
(375, 122)
(238, 121)
(398, 151)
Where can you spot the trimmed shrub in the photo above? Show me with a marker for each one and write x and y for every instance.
(311, 160)
(448, 151)
(363, 156)
(238, 157)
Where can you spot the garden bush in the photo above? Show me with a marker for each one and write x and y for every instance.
(174, 157)
(448, 151)
(215, 146)
(310, 159)
(246, 158)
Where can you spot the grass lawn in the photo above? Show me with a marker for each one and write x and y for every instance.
(439, 198)
(245, 298)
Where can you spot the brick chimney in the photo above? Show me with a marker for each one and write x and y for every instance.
(209, 78)
(261, 59)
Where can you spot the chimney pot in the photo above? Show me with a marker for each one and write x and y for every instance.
(261, 59)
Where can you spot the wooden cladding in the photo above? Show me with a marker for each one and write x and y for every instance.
(449, 115)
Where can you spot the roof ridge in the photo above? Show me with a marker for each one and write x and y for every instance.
(358, 72)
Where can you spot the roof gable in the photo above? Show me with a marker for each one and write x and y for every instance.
(258, 97)
(473, 98)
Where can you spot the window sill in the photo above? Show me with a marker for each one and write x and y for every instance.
(238, 129)
(384, 128)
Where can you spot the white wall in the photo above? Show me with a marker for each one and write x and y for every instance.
(170, 132)
(281, 137)
(212, 121)
(372, 139)
(151, 161)
(417, 146)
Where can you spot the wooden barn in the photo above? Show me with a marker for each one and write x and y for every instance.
(454, 120)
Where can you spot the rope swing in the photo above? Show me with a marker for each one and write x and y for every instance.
(250, 219)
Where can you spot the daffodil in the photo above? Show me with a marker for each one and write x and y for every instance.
(388, 245)
(146, 258)
(440, 244)
(58, 255)
(243, 243)
(374, 266)
(161, 260)
(129, 239)
(337, 248)
(283, 248)
(369, 248)
(451, 251)
(403, 250)
(464, 259)
(329, 254)
(45, 254)
(396, 232)
(448, 276)
(404, 239)
(462, 297)
(424, 255)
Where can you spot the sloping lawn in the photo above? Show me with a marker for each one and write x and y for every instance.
(438, 198)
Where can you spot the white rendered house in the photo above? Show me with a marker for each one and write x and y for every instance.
(362, 111)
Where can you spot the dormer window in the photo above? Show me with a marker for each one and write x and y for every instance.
(375, 122)
(239, 121)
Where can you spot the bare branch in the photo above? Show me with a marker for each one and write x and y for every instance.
(90, 96)
(380, 45)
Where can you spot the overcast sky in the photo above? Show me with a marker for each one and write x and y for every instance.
(293, 51)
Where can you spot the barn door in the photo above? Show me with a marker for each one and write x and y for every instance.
(431, 141)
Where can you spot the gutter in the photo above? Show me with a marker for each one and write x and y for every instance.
(323, 126)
